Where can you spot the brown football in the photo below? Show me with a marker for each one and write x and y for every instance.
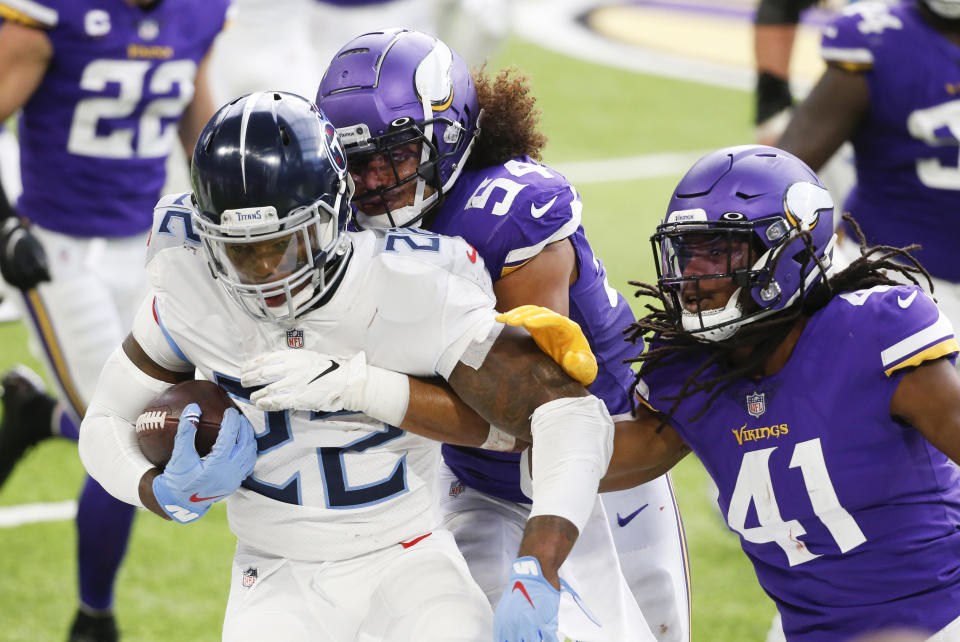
(157, 424)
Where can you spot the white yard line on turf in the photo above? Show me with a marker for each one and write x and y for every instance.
(629, 168)
(553, 24)
(34, 513)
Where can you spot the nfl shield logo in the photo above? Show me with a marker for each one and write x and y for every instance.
(294, 338)
(249, 577)
(456, 489)
(755, 404)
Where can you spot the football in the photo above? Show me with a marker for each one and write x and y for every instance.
(157, 424)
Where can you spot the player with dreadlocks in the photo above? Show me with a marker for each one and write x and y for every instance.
(758, 341)
(823, 403)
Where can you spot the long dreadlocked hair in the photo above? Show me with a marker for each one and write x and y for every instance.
(672, 342)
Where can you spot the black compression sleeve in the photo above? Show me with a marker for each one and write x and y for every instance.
(780, 12)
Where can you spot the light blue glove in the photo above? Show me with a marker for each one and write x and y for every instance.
(189, 485)
(527, 611)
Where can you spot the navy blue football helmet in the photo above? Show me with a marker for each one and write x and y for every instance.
(272, 203)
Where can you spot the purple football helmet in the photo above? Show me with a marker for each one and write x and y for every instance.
(734, 226)
(386, 90)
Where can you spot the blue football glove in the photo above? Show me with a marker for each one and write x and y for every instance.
(189, 485)
(527, 611)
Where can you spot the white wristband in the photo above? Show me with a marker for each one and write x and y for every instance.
(386, 395)
(499, 440)
(572, 444)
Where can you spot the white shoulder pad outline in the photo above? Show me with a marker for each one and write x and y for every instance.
(172, 225)
(29, 13)
(451, 254)
(861, 23)
(933, 342)
(641, 393)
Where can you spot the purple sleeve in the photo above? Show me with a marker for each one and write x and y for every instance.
(852, 41)
(514, 212)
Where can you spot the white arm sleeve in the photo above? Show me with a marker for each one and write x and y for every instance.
(108, 441)
(572, 444)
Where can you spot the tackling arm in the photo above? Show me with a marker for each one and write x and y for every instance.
(543, 281)
(640, 453)
(523, 391)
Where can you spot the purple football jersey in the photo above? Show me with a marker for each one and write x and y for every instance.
(510, 213)
(907, 147)
(95, 135)
(850, 517)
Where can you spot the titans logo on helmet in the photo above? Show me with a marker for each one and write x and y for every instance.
(334, 148)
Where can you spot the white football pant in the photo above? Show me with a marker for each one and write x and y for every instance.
(648, 534)
(419, 593)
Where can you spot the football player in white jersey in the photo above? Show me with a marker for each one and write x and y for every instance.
(339, 535)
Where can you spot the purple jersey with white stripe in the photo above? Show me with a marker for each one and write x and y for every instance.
(851, 518)
(95, 135)
(908, 145)
(510, 213)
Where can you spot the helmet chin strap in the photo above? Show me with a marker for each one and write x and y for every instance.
(729, 318)
(401, 216)
(724, 318)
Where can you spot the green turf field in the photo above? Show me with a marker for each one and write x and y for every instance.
(173, 585)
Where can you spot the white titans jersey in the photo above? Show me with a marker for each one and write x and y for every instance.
(336, 485)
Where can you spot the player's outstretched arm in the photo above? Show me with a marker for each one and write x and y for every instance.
(928, 398)
(827, 117)
(641, 452)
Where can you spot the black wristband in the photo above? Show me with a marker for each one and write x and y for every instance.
(781, 12)
(773, 96)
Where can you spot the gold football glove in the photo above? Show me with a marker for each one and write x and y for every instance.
(559, 337)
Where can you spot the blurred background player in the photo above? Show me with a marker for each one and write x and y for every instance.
(774, 31)
(314, 30)
(432, 165)
(10, 188)
(105, 90)
(892, 88)
(839, 480)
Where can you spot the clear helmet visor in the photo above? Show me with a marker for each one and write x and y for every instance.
(272, 268)
(704, 273)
